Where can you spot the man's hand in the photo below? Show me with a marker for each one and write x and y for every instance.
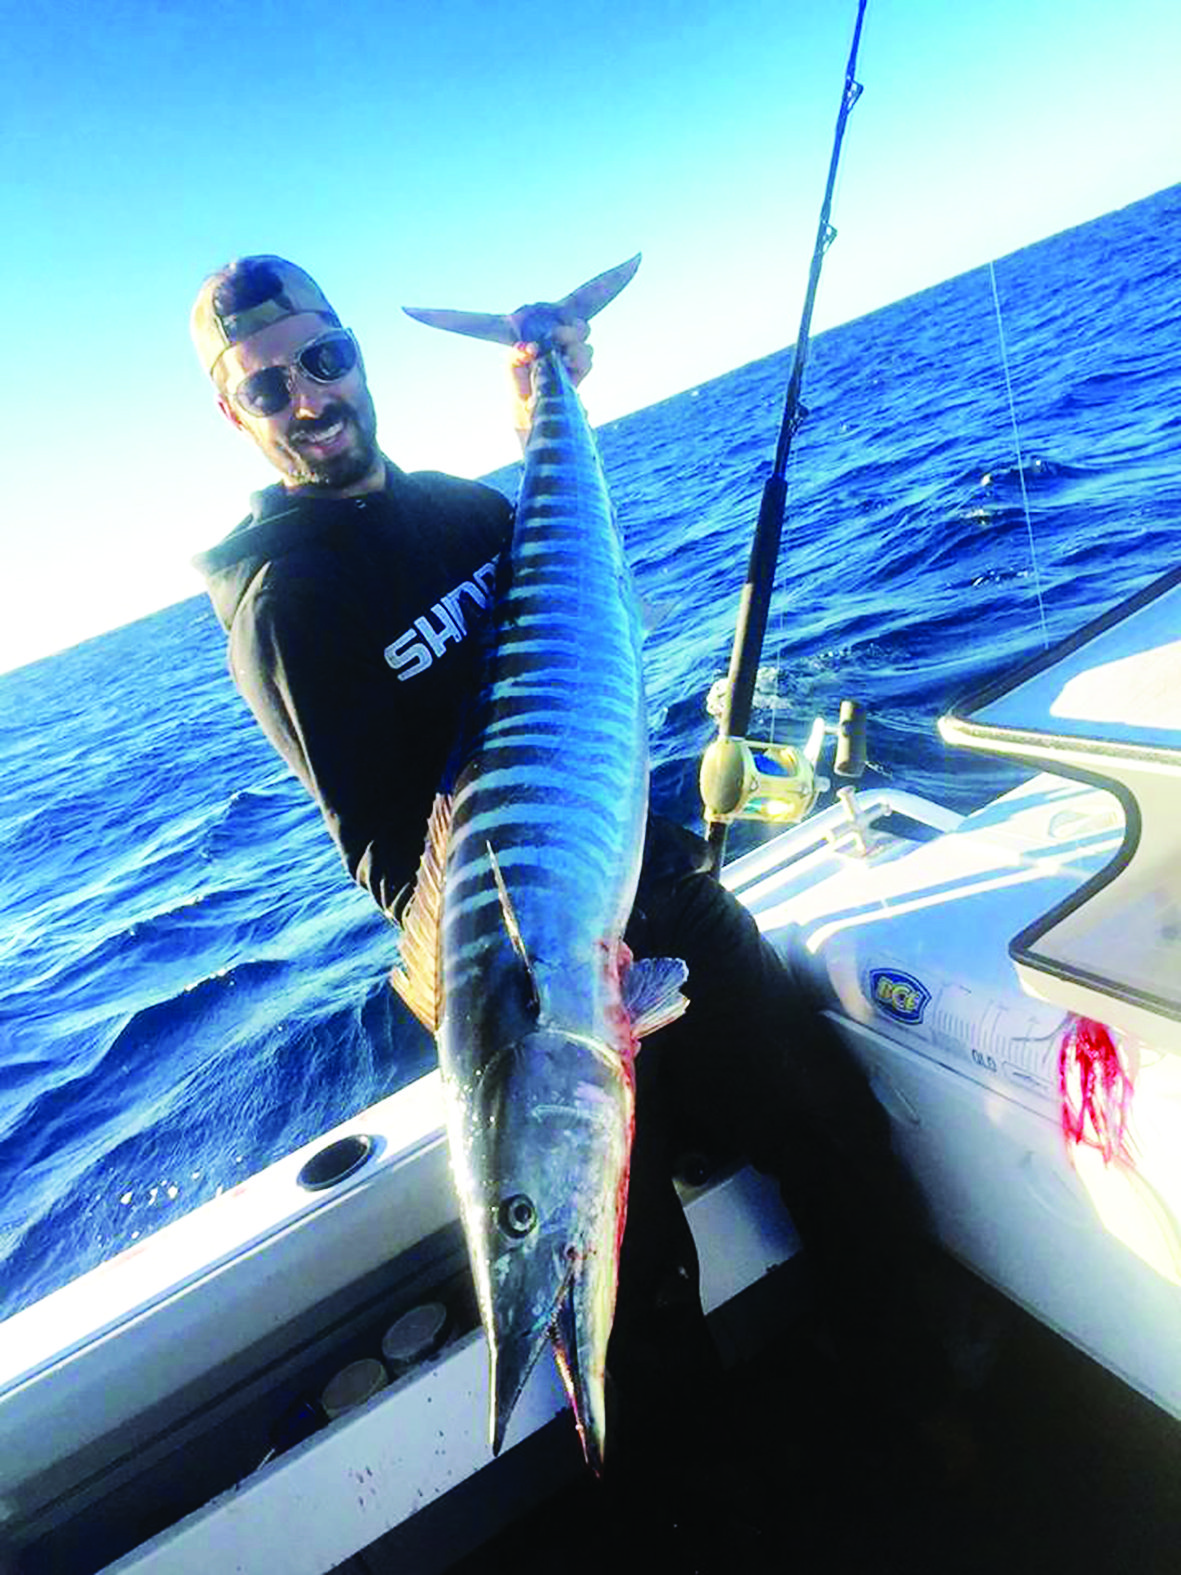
(576, 357)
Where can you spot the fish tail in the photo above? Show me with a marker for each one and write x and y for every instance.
(533, 323)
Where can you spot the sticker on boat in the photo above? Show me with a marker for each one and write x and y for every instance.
(898, 994)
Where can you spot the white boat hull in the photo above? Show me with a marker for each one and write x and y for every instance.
(912, 944)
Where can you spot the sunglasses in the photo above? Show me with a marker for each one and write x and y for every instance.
(325, 360)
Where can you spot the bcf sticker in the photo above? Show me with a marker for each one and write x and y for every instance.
(899, 995)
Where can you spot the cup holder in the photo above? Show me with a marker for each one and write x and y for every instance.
(334, 1164)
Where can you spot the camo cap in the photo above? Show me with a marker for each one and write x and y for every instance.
(246, 295)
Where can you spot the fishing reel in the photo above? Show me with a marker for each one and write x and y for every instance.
(745, 779)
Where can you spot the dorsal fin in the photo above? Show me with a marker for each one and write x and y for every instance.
(512, 927)
(651, 991)
(419, 977)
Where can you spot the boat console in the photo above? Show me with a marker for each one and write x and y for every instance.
(1105, 707)
(1010, 980)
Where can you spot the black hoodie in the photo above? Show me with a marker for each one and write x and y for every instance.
(350, 626)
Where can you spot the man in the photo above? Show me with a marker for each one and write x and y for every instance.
(338, 564)
(350, 597)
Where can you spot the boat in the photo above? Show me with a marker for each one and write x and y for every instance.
(298, 1363)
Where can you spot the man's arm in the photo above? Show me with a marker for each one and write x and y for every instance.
(577, 354)
(321, 700)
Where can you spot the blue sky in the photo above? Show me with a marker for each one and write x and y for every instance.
(481, 155)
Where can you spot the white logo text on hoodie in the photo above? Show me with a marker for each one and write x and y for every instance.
(429, 635)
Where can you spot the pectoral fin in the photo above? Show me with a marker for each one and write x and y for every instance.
(512, 928)
(651, 991)
(653, 614)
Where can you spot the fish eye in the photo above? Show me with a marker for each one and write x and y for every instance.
(517, 1216)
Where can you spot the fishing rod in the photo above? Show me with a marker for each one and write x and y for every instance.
(726, 768)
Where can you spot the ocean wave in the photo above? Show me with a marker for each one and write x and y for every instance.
(190, 1096)
(1035, 470)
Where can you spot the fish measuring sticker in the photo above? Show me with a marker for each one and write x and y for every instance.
(898, 994)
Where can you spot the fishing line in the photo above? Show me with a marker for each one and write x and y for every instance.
(778, 698)
(1037, 578)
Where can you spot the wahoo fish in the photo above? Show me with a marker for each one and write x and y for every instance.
(512, 945)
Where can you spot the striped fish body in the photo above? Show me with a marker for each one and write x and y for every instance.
(536, 1056)
(533, 864)
(555, 780)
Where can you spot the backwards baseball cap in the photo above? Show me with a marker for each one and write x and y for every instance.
(249, 294)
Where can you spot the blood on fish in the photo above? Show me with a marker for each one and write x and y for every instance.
(1096, 1091)
(616, 960)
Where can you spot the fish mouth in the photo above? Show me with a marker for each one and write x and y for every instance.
(514, 1356)
(579, 1348)
(546, 1225)
(582, 1366)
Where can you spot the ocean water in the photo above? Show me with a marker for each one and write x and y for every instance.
(189, 986)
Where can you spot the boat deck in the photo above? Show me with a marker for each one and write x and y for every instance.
(1069, 1471)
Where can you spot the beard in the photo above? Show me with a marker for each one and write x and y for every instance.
(350, 463)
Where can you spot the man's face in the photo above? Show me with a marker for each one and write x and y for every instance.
(326, 435)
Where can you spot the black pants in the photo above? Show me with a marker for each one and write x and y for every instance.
(753, 1070)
